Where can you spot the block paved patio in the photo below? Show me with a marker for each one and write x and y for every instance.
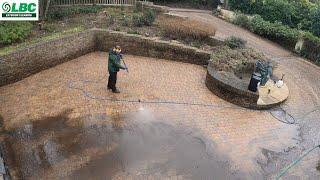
(55, 131)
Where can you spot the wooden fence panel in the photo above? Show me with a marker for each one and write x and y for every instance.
(91, 2)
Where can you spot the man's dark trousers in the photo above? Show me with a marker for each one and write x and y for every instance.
(112, 81)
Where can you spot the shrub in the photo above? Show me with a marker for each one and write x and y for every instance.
(11, 32)
(137, 20)
(192, 3)
(245, 6)
(149, 16)
(146, 18)
(131, 31)
(186, 30)
(235, 42)
(242, 20)
(117, 28)
(111, 18)
(49, 27)
(126, 21)
(286, 36)
(60, 13)
(224, 58)
(277, 32)
(300, 14)
(311, 48)
(315, 22)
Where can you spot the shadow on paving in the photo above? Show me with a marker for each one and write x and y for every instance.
(98, 146)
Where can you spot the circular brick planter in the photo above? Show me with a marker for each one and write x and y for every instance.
(231, 88)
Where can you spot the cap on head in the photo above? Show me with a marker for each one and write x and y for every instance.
(117, 49)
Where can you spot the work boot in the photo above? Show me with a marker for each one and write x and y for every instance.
(109, 88)
(116, 91)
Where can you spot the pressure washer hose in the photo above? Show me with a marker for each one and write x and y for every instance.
(88, 95)
(284, 170)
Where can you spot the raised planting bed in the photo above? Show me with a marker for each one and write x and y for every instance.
(228, 77)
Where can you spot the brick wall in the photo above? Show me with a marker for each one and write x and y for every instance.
(25, 62)
(144, 46)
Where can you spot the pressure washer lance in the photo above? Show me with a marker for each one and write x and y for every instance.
(125, 65)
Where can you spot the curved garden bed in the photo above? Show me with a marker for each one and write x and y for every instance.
(228, 76)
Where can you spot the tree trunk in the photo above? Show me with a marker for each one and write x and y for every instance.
(47, 8)
(226, 4)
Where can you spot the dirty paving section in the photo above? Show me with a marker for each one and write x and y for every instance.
(56, 132)
(116, 147)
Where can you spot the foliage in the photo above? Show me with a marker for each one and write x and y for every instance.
(245, 6)
(277, 32)
(300, 14)
(131, 31)
(283, 35)
(185, 29)
(117, 28)
(149, 16)
(11, 48)
(224, 58)
(242, 20)
(138, 20)
(60, 13)
(311, 48)
(235, 42)
(49, 27)
(11, 32)
(111, 18)
(191, 3)
(315, 22)
(146, 18)
(126, 20)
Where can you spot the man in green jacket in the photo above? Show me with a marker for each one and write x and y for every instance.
(114, 65)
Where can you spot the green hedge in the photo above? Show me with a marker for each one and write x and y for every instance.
(277, 32)
(60, 13)
(300, 14)
(193, 3)
(11, 32)
(282, 34)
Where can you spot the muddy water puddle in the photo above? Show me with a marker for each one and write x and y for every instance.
(98, 146)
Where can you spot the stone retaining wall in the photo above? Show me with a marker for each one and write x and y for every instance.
(149, 5)
(25, 62)
(144, 46)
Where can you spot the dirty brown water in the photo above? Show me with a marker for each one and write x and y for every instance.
(134, 144)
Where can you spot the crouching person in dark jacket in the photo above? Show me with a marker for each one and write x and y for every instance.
(114, 65)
